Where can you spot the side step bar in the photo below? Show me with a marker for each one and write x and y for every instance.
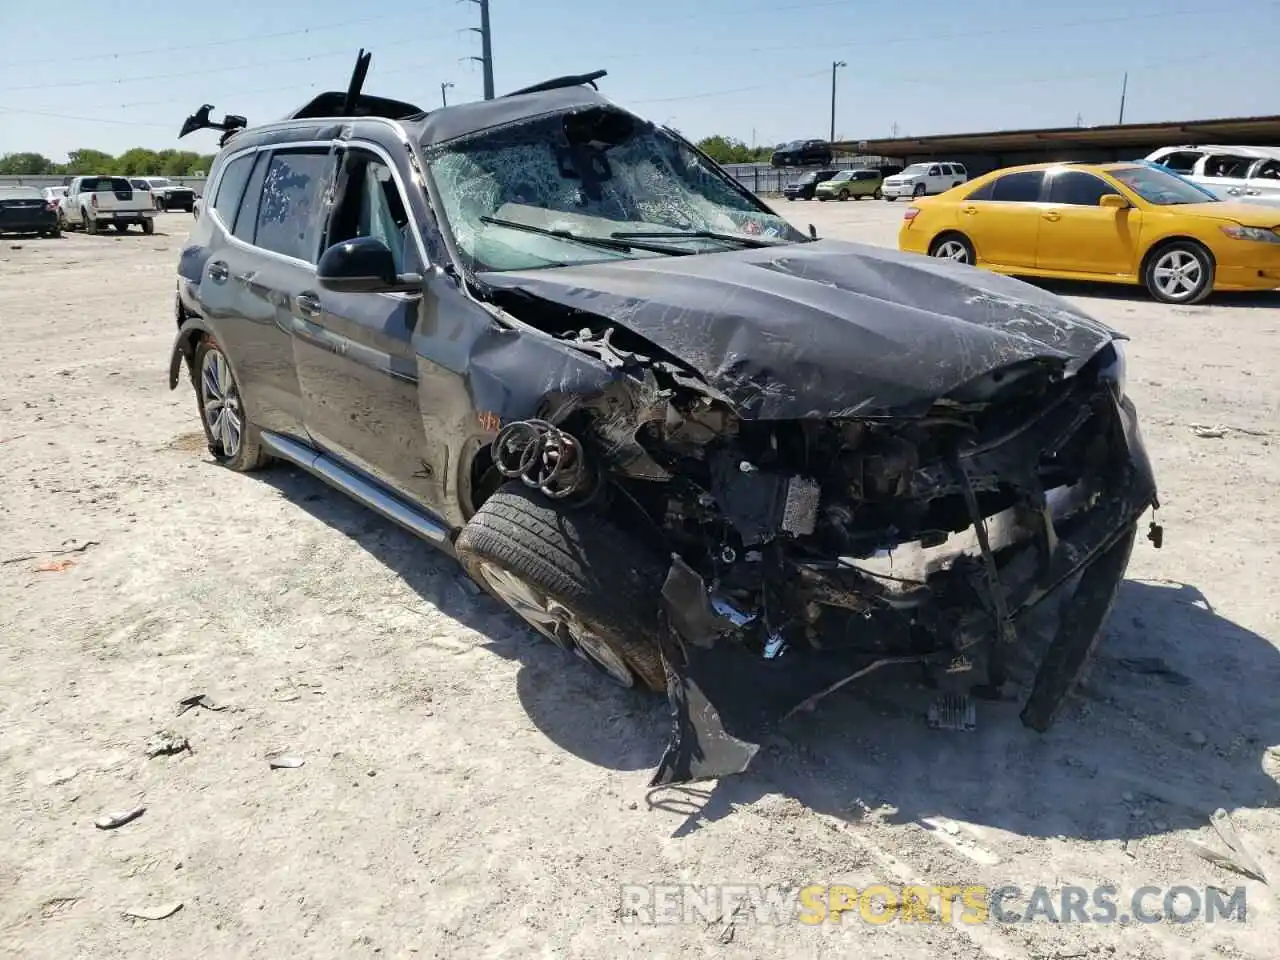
(362, 491)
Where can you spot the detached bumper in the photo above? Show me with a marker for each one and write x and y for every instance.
(725, 698)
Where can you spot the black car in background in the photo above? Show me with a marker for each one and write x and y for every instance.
(803, 188)
(802, 153)
(25, 210)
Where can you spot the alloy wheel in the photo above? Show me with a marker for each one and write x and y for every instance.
(1178, 274)
(952, 250)
(221, 401)
(555, 622)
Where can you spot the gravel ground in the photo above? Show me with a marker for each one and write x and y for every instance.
(470, 792)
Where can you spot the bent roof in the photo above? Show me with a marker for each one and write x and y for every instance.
(450, 123)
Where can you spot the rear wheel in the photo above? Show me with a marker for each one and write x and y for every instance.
(90, 224)
(573, 577)
(878, 194)
(1179, 272)
(232, 439)
(953, 246)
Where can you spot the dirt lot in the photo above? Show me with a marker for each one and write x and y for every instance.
(469, 792)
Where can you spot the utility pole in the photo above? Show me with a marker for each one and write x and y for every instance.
(1123, 90)
(444, 97)
(836, 65)
(486, 47)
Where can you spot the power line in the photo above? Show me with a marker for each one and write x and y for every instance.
(201, 45)
(813, 47)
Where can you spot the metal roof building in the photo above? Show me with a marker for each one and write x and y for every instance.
(981, 152)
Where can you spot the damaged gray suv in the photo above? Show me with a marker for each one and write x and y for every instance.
(710, 454)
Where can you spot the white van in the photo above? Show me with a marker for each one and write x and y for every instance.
(1251, 174)
(921, 179)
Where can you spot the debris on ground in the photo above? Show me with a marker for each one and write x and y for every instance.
(1240, 860)
(166, 742)
(1208, 433)
(51, 553)
(55, 566)
(1153, 666)
(112, 820)
(199, 700)
(285, 762)
(162, 912)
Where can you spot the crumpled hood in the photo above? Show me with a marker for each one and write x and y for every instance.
(825, 329)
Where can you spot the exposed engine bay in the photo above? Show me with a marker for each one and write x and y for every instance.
(805, 553)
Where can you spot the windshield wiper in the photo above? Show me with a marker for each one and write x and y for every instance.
(753, 242)
(609, 243)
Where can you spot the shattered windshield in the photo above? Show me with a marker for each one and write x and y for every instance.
(579, 188)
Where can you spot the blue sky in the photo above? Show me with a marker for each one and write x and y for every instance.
(74, 75)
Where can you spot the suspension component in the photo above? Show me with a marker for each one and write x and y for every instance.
(544, 457)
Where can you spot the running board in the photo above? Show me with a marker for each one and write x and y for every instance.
(362, 491)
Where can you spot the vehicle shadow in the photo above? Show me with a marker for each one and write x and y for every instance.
(1115, 291)
(1174, 721)
(573, 704)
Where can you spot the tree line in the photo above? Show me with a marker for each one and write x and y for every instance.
(132, 163)
(140, 161)
(724, 149)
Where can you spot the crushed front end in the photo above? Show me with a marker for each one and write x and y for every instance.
(808, 553)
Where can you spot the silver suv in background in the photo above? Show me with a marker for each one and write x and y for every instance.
(922, 179)
(1251, 174)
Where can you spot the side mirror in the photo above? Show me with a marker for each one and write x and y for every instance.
(1113, 201)
(363, 265)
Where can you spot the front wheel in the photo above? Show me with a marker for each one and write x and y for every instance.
(148, 225)
(232, 439)
(1181, 272)
(918, 191)
(844, 195)
(573, 577)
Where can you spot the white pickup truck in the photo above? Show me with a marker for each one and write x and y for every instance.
(93, 202)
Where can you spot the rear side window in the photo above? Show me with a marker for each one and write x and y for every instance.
(246, 217)
(117, 183)
(231, 188)
(1021, 187)
(1077, 188)
(291, 211)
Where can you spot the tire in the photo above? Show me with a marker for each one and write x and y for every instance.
(62, 221)
(878, 195)
(148, 225)
(159, 201)
(918, 191)
(1183, 255)
(90, 224)
(580, 567)
(54, 232)
(953, 246)
(247, 454)
(844, 195)
(891, 199)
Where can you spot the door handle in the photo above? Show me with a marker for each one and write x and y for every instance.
(1234, 191)
(1053, 215)
(218, 271)
(308, 304)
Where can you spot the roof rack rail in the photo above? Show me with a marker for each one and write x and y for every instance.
(572, 80)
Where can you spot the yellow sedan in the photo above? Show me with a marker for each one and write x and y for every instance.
(1115, 222)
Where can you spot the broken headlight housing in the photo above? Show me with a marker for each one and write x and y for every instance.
(1114, 368)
